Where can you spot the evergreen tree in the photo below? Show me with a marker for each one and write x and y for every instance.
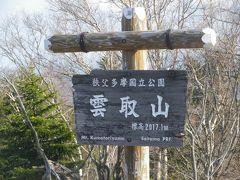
(18, 155)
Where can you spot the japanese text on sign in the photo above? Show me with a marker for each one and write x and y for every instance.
(128, 82)
(127, 106)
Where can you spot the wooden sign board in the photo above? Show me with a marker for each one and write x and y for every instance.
(133, 108)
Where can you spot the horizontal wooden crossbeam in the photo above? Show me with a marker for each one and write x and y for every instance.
(129, 40)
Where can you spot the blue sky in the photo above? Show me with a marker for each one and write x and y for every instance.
(14, 7)
(8, 7)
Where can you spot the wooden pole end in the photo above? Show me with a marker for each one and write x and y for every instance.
(48, 44)
(209, 37)
(129, 13)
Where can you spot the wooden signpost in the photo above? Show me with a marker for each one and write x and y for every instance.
(130, 40)
(137, 159)
(133, 108)
(123, 109)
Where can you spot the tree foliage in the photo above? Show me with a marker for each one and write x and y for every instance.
(18, 153)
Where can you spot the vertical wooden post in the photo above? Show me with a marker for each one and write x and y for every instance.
(137, 157)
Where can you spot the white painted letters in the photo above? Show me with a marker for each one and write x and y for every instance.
(159, 108)
(98, 104)
(128, 107)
